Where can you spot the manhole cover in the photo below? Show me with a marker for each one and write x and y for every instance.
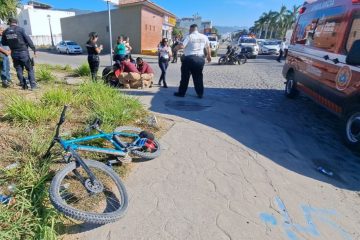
(186, 106)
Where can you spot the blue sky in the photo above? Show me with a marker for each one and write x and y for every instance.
(221, 12)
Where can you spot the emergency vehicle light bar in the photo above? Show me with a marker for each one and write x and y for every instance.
(303, 9)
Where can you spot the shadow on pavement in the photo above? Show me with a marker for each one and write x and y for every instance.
(295, 134)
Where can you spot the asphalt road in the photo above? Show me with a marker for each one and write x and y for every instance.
(240, 164)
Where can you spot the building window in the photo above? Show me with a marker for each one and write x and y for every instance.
(154, 28)
(146, 27)
(107, 29)
(25, 22)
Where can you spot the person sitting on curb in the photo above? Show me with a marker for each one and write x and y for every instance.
(147, 73)
(130, 74)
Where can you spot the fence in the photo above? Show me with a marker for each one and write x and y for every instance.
(44, 40)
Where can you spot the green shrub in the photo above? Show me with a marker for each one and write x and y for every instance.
(44, 74)
(83, 70)
(19, 109)
(57, 97)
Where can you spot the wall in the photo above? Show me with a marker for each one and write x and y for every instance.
(151, 28)
(38, 22)
(126, 21)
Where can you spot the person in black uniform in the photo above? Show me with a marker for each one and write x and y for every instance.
(19, 42)
(93, 54)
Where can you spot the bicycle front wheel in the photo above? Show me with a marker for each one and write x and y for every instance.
(73, 194)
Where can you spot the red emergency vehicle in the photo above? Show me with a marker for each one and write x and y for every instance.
(324, 60)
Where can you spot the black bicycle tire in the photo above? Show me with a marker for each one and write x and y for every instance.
(143, 155)
(148, 155)
(96, 218)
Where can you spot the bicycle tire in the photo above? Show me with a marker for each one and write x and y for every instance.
(96, 218)
(143, 155)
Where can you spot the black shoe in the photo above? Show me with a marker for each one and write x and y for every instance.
(176, 94)
(159, 83)
(200, 96)
(165, 86)
(5, 85)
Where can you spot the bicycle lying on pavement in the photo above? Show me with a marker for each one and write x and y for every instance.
(88, 190)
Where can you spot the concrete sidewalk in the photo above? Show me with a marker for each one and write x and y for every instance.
(230, 170)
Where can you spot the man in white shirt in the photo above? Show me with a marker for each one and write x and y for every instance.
(193, 61)
(283, 50)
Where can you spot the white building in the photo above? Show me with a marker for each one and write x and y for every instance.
(37, 20)
(185, 23)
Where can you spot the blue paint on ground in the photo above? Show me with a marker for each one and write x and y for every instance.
(268, 219)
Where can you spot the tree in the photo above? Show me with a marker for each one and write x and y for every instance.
(176, 32)
(8, 8)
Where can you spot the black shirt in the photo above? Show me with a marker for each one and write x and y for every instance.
(16, 38)
(91, 48)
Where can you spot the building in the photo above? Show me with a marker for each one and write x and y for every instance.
(144, 22)
(40, 22)
(185, 23)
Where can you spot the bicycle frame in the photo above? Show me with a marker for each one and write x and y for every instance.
(120, 149)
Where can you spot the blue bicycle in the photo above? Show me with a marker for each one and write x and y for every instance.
(88, 190)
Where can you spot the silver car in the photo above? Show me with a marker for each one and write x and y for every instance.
(68, 47)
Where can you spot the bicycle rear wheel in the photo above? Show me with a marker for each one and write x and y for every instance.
(148, 153)
(73, 194)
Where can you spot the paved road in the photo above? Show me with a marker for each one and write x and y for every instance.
(240, 164)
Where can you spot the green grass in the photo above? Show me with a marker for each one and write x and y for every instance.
(27, 126)
(83, 70)
(19, 109)
(58, 97)
(112, 107)
(44, 74)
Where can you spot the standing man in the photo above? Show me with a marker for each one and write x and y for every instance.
(4, 62)
(19, 42)
(283, 50)
(193, 61)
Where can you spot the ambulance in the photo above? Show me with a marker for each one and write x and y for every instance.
(324, 60)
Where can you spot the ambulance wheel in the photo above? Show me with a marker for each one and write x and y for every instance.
(351, 129)
(290, 86)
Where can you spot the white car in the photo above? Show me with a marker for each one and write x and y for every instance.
(270, 48)
(250, 45)
(68, 47)
(214, 44)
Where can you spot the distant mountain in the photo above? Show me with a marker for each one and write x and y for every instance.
(228, 29)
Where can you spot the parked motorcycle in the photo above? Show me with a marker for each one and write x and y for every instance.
(233, 56)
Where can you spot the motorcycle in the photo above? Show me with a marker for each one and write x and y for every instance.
(234, 56)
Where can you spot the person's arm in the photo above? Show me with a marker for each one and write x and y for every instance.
(183, 44)
(170, 52)
(208, 50)
(98, 49)
(28, 41)
(128, 46)
(4, 51)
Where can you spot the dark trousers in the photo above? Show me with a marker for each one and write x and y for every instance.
(175, 57)
(282, 54)
(94, 62)
(192, 65)
(22, 60)
(163, 64)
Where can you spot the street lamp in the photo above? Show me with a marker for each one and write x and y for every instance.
(51, 35)
(110, 32)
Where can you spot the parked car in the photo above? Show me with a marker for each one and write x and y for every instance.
(214, 44)
(324, 61)
(68, 47)
(269, 47)
(251, 46)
